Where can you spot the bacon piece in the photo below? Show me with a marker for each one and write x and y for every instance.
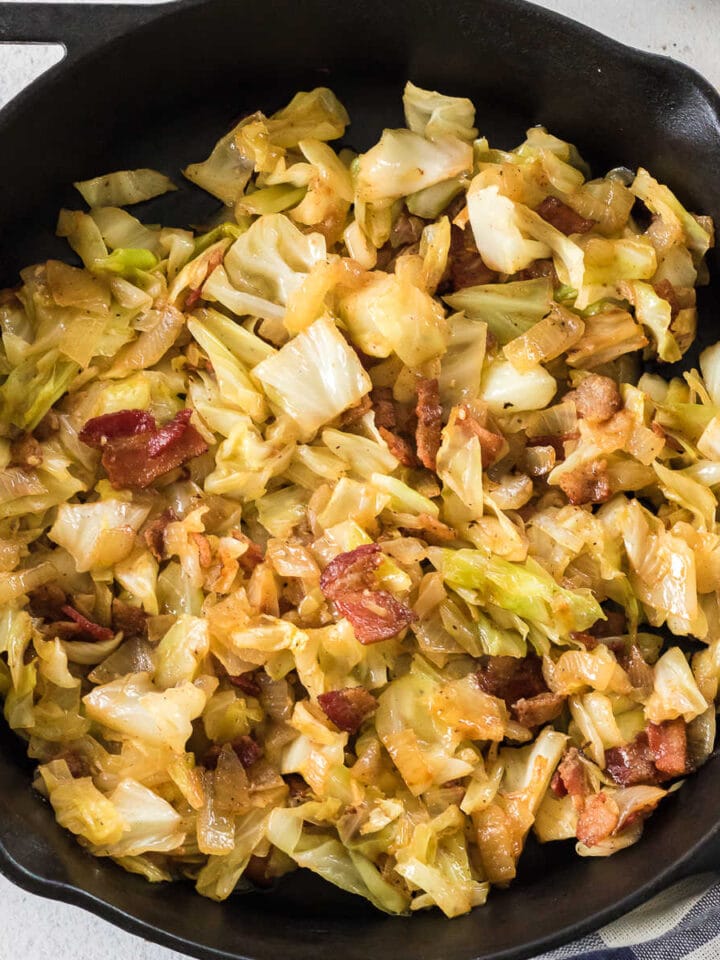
(588, 483)
(25, 452)
(666, 290)
(114, 426)
(668, 745)
(254, 554)
(406, 230)
(375, 615)
(384, 407)
(47, 601)
(614, 626)
(154, 534)
(632, 763)
(429, 414)
(348, 708)
(195, 293)
(490, 443)
(571, 778)
(597, 398)
(556, 441)
(399, 447)
(599, 818)
(539, 269)
(639, 672)
(466, 268)
(247, 683)
(350, 572)
(247, 750)
(353, 414)
(537, 710)
(93, 630)
(205, 557)
(131, 620)
(563, 217)
(511, 678)
(138, 460)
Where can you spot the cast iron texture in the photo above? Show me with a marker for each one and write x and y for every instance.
(156, 86)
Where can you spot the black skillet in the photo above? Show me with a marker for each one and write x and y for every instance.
(156, 86)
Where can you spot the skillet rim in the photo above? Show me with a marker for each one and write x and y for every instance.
(65, 23)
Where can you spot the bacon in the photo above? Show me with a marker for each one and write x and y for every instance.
(399, 447)
(632, 763)
(247, 683)
(348, 708)
(588, 483)
(429, 414)
(375, 615)
(598, 819)
(571, 778)
(490, 443)
(511, 678)
(539, 269)
(597, 398)
(350, 572)
(205, 557)
(556, 441)
(466, 268)
(563, 217)
(136, 452)
(132, 621)
(668, 744)
(384, 407)
(666, 290)
(537, 710)
(154, 534)
(114, 426)
(353, 414)
(639, 672)
(93, 630)
(406, 230)
(47, 601)
(247, 750)
(25, 452)
(254, 554)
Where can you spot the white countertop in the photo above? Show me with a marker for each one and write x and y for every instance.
(35, 929)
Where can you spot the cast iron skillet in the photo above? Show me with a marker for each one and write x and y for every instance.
(156, 86)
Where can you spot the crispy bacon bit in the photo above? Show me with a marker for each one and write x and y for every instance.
(25, 452)
(131, 620)
(588, 483)
(299, 789)
(639, 672)
(205, 557)
(539, 269)
(490, 443)
(247, 750)
(563, 217)
(375, 615)
(632, 763)
(537, 710)
(615, 624)
(384, 407)
(348, 708)
(556, 441)
(350, 572)
(466, 268)
(399, 447)
(247, 683)
(666, 290)
(668, 745)
(47, 601)
(429, 414)
(353, 414)
(571, 778)
(254, 554)
(597, 398)
(93, 630)
(155, 533)
(406, 230)
(136, 452)
(511, 678)
(115, 426)
(599, 818)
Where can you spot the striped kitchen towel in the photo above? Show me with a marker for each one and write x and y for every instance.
(681, 923)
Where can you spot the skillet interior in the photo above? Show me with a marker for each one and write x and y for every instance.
(161, 95)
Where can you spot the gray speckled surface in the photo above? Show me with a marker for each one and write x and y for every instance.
(36, 929)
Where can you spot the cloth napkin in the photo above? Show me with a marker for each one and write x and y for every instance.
(681, 923)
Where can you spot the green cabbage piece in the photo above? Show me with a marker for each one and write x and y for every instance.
(124, 187)
(508, 309)
(434, 115)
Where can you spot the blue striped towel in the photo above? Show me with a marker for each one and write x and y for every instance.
(681, 923)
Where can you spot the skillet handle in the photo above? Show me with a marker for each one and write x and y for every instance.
(77, 26)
